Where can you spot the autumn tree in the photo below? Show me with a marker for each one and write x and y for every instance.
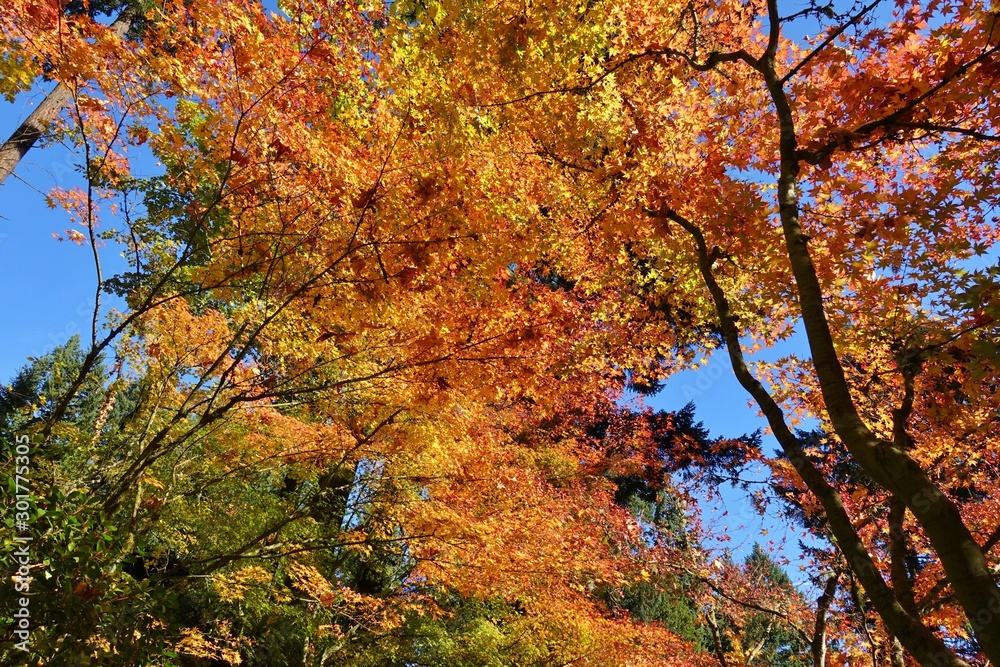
(840, 182)
(44, 40)
(333, 389)
(745, 613)
(415, 254)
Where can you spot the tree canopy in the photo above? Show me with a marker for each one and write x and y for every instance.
(368, 392)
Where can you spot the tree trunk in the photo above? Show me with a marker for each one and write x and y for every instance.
(889, 465)
(899, 575)
(916, 637)
(31, 130)
(713, 625)
(896, 656)
(818, 646)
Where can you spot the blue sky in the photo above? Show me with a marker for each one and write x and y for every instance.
(50, 285)
(723, 405)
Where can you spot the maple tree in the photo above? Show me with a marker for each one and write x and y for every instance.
(306, 353)
(856, 166)
(401, 262)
